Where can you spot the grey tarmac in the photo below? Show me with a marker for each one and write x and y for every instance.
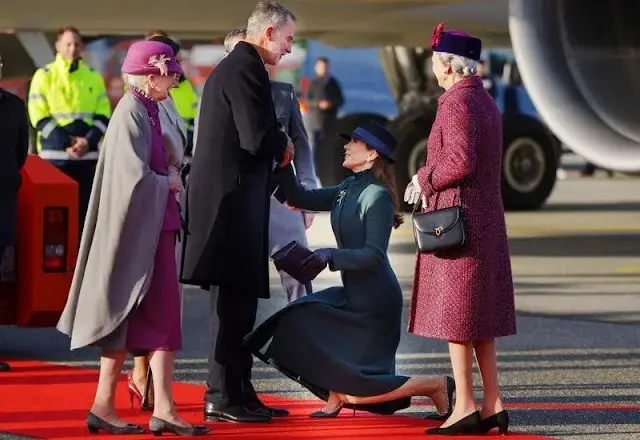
(573, 369)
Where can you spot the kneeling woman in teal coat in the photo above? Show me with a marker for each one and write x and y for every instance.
(341, 342)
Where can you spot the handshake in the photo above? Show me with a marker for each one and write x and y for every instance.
(289, 153)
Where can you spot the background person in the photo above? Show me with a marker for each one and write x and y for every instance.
(70, 109)
(14, 131)
(324, 98)
(184, 94)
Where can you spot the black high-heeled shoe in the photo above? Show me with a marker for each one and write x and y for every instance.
(329, 415)
(158, 426)
(95, 424)
(450, 388)
(498, 420)
(467, 425)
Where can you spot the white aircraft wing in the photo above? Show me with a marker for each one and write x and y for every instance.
(340, 22)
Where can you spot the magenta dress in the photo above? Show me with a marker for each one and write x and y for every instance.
(156, 323)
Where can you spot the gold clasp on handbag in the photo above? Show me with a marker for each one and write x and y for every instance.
(438, 231)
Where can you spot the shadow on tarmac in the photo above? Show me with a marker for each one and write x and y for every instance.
(577, 245)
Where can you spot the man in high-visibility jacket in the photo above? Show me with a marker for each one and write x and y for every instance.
(69, 107)
(184, 98)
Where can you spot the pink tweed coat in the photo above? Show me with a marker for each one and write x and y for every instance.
(465, 294)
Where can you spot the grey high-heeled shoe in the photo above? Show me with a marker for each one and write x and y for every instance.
(159, 426)
(95, 424)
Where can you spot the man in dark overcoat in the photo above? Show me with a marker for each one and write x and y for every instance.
(285, 223)
(14, 146)
(228, 194)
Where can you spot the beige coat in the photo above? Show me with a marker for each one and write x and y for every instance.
(121, 231)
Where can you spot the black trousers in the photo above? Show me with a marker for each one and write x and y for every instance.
(233, 315)
(2, 249)
(82, 171)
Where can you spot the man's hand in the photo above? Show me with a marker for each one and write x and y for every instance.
(324, 104)
(81, 146)
(72, 152)
(289, 153)
(308, 219)
(293, 208)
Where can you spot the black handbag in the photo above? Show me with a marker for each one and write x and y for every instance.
(439, 230)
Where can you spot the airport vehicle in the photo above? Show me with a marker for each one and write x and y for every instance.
(531, 152)
(559, 57)
(577, 59)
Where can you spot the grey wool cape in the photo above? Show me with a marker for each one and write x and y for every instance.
(121, 233)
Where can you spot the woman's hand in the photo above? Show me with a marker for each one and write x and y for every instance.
(317, 261)
(175, 182)
(413, 191)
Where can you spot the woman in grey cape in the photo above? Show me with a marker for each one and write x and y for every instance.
(125, 294)
(174, 134)
(341, 342)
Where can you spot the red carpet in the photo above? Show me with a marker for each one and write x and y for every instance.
(50, 401)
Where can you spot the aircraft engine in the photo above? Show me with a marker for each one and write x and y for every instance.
(580, 62)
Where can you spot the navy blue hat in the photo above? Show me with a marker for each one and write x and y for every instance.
(456, 42)
(376, 137)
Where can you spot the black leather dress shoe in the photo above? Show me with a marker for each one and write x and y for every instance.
(260, 408)
(237, 414)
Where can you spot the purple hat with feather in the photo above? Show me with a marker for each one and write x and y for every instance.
(456, 42)
(150, 58)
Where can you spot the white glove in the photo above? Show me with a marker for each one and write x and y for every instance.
(413, 191)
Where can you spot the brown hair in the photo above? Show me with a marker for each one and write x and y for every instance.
(384, 172)
(155, 33)
(65, 29)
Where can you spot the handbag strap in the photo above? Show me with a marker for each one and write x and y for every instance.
(422, 195)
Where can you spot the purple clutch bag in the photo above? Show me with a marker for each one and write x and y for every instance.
(289, 259)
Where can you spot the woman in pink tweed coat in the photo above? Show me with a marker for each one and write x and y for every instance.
(465, 296)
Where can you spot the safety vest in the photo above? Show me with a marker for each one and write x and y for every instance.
(68, 100)
(185, 99)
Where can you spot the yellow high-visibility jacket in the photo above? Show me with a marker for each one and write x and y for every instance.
(68, 99)
(185, 99)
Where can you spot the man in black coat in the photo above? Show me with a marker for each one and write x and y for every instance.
(14, 145)
(228, 193)
(324, 97)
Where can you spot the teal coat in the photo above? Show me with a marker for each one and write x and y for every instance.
(344, 338)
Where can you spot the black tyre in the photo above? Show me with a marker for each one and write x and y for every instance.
(412, 132)
(529, 164)
(329, 154)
